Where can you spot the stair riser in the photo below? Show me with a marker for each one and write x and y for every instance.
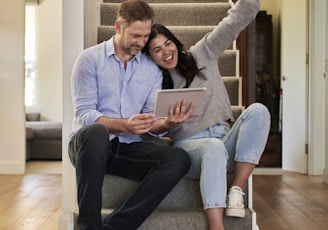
(184, 14)
(188, 35)
(170, 1)
(232, 85)
(185, 195)
(192, 219)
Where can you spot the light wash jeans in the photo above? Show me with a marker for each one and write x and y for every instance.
(214, 151)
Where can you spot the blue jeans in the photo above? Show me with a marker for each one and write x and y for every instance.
(158, 168)
(214, 151)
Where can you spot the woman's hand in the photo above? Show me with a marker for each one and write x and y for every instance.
(179, 113)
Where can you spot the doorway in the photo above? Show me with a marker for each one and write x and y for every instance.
(260, 71)
(267, 85)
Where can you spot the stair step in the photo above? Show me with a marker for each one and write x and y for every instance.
(184, 14)
(188, 35)
(185, 195)
(228, 63)
(232, 85)
(237, 110)
(190, 219)
(169, 1)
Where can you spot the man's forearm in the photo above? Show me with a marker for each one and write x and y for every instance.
(114, 125)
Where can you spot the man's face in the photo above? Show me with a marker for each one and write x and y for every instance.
(134, 36)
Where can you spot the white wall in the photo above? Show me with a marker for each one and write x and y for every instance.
(12, 67)
(49, 59)
(325, 171)
(73, 44)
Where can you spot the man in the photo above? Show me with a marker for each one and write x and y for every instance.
(113, 90)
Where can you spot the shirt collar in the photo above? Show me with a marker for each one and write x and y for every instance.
(110, 50)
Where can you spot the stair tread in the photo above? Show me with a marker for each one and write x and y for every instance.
(183, 13)
(186, 219)
(170, 1)
(186, 194)
(188, 35)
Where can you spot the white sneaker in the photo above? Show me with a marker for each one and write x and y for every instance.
(235, 202)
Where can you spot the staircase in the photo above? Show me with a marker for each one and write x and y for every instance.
(182, 209)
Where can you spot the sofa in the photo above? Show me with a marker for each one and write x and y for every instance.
(43, 138)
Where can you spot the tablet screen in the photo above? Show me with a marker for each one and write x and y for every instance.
(167, 97)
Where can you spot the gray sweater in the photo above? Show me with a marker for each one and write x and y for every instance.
(206, 52)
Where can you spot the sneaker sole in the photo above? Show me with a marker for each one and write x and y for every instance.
(234, 212)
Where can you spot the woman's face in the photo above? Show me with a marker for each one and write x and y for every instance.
(164, 52)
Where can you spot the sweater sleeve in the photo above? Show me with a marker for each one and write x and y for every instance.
(239, 16)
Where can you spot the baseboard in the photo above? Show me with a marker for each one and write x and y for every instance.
(66, 221)
(268, 171)
(12, 167)
(254, 222)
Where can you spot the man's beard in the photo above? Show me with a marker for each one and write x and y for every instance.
(133, 50)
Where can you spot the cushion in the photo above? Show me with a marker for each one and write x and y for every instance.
(33, 116)
(45, 129)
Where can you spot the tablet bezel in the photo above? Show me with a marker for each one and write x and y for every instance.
(167, 97)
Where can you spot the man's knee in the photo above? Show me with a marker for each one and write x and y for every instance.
(89, 139)
(180, 158)
(93, 131)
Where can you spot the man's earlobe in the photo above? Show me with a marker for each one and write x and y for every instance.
(118, 27)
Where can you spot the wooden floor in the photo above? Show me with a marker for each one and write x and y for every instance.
(290, 201)
(287, 201)
(30, 202)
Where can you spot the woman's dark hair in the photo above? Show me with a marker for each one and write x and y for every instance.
(186, 66)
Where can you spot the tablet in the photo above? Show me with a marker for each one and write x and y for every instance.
(167, 97)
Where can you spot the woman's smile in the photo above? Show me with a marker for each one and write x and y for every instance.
(164, 52)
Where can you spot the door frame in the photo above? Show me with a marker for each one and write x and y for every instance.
(325, 171)
(317, 40)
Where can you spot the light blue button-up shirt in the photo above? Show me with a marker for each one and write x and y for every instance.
(101, 86)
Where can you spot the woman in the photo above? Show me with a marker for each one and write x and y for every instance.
(213, 146)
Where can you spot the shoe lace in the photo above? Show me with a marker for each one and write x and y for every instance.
(236, 196)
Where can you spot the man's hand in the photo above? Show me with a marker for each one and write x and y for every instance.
(140, 123)
(137, 124)
(143, 123)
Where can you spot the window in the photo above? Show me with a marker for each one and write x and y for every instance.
(29, 55)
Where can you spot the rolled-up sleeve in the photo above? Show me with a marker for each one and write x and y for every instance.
(84, 90)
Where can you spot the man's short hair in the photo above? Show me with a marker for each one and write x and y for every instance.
(134, 10)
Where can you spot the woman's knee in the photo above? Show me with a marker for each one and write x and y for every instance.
(212, 149)
(259, 110)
